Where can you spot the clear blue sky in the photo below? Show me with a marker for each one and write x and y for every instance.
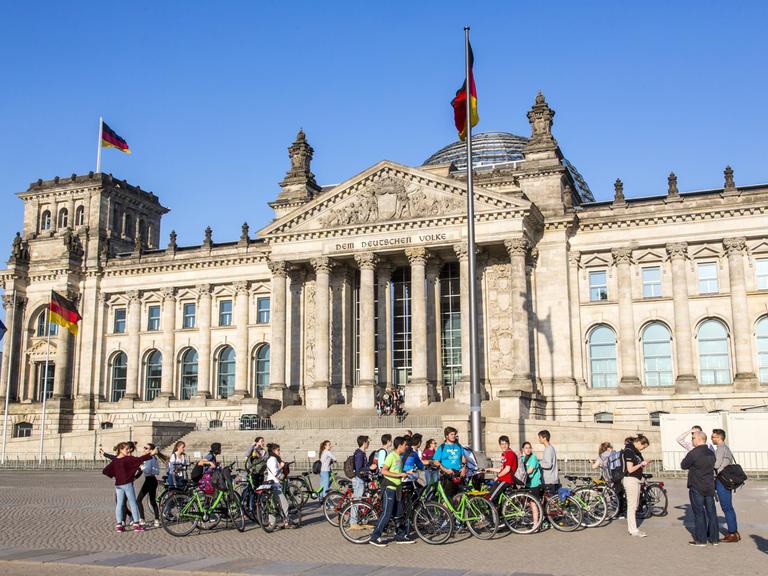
(209, 95)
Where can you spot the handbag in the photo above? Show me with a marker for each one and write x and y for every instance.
(732, 476)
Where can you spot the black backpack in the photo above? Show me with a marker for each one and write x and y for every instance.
(349, 466)
(316, 467)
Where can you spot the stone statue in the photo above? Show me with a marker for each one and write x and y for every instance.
(172, 240)
(244, 232)
(672, 185)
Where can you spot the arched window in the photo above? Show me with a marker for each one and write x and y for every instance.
(118, 375)
(80, 216)
(261, 371)
(602, 358)
(604, 418)
(225, 372)
(714, 360)
(153, 373)
(657, 355)
(22, 430)
(762, 349)
(45, 220)
(63, 220)
(188, 374)
(41, 320)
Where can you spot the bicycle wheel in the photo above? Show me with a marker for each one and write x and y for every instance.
(433, 523)
(657, 500)
(612, 502)
(365, 520)
(295, 495)
(269, 516)
(180, 515)
(332, 505)
(482, 519)
(249, 500)
(563, 515)
(594, 509)
(522, 513)
(213, 516)
(235, 511)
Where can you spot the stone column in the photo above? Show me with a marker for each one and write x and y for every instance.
(295, 333)
(278, 390)
(384, 344)
(204, 342)
(577, 362)
(133, 370)
(434, 347)
(745, 373)
(61, 374)
(686, 381)
(521, 375)
(629, 383)
(241, 339)
(418, 388)
(12, 310)
(363, 395)
(168, 342)
(462, 253)
(318, 395)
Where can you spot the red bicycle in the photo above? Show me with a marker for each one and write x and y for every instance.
(336, 500)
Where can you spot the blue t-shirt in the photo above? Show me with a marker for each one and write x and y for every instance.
(449, 455)
(413, 462)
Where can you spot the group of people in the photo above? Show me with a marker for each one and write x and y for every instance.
(391, 402)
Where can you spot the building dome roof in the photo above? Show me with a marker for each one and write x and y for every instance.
(489, 149)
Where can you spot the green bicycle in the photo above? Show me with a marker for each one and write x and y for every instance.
(520, 510)
(183, 512)
(302, 489)
(435, 521)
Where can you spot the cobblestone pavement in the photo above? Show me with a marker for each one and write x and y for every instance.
(62, 523)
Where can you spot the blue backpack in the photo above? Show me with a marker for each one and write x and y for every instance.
(615, 465)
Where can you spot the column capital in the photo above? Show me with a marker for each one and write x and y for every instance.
(241, 287)
(322, 264)
(168, 294)
(416, 256)
(203, 290)
(278, 268)
(297, 274)
(21, 301)
(517, 246)
(366, 260)
(622, 255)
(461, 250)
(384, 271)
(677, 250)
(574, 258)
(735, 246)
(434, 265)
(133, 296)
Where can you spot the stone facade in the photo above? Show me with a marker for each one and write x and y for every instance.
(586, 310)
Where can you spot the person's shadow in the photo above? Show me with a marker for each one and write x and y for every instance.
(761, 543)
(687, 518)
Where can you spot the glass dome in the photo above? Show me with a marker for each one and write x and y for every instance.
(489, 149)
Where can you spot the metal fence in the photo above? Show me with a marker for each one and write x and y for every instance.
(246, 422)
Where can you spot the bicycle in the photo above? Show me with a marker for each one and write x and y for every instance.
(520, 510)
(653, 498)
(183, 512)
(435, 521)
(336, 500)
(269, 510)
(563, 512)
(591, 501)
(304, 489)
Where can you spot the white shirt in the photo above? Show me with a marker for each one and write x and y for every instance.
(274, 469)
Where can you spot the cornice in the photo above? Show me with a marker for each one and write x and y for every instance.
(132, 268)
(586, 224)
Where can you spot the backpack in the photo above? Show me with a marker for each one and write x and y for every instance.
(349, 466)
(316, 467)
(521, 474)
(206, 484)
(616, 466)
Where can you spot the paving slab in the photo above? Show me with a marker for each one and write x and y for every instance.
(159, 562)
(207, 564)
(345, 570)
(24, 554)
(89, 558)
(55, 556)
(9, 551)
(284, 568)
(125, 559)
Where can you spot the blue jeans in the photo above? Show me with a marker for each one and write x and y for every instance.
(325, 482)
(391, 505)
(726, 503)
(121, 493)
(704, 516)
(430, 476)
(358, 488)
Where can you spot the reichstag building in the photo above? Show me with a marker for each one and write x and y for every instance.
(609, 311)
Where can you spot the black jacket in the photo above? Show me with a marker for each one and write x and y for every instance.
(700, 463)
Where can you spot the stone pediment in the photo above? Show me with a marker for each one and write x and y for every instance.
(39, 348)
(388, 193)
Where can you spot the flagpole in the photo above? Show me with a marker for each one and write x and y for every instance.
(8, 381)
(98, 154)
(45, 383)
(474, 386)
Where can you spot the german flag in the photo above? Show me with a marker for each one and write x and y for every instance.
(63, 313)
(459, 102)
(110, 139)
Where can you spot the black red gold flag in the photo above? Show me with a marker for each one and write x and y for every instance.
(63, 312)
(110, 139)
(459, 101)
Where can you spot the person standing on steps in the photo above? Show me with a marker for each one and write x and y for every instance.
(634, 465)
(723, 458)
(700, 463)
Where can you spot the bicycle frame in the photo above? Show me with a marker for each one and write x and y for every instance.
(459, 512)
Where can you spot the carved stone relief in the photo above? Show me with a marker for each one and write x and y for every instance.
(309, 331)
(501, 344)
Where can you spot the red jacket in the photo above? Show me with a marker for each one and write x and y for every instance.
(124, 469)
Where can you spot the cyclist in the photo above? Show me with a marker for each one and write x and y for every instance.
(256, 460)
(412, 461)
(449, 458)
(176, 464)
(533, 483)
(362, 475)
(505, 473)
(381, 454)
(326, 459)
(430, 473)
(548, 463)
(275, 474)
(393, 475)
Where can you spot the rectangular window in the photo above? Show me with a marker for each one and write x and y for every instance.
(189, 315)
(652, 282)
(762, 274)
(598, 286)
(119, 327)
(153, 318)
(44, 386)
(225, 313)
(262, 309)
(708, 278)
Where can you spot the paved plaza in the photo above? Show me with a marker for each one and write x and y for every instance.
(62, 523)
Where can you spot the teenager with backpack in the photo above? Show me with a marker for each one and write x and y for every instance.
(360, 475)
(393, 476)
(634, 464)
(449, 458)
(505, 473)
(533, 472)
(379, 456)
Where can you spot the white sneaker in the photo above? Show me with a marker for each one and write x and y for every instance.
(157, 523)
(638, 534)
